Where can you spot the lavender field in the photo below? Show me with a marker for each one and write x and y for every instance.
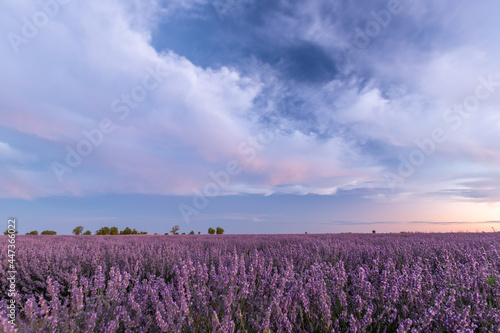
(292, 283)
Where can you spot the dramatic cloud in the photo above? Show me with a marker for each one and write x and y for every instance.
(386, 101)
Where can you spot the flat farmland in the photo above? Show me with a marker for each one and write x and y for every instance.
(257, 283)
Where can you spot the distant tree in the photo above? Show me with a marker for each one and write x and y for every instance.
(113, 231)
(211, 231)
(143, 233)
(199, 232)
(126, 231)
(306, 232)
(183, 233)
(87, 233)
(166, 233)
(175, 229)
(219, 231)
(34, 232)
(48, 232)
(134, 232)
(191, 232)
(374, 231)
(6, 232)
(78, 230)
(156, 233)
(103, 231)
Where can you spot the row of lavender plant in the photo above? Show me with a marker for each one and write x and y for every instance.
(280, 283)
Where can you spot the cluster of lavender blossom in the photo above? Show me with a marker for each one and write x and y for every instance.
(267, 283)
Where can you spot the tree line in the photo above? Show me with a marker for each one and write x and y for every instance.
(114, 231)
(211, 231)
(108, 231)
(35, 232)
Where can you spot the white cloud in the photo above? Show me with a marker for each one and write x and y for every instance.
(65, 80)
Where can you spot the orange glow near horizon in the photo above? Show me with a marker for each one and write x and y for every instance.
(425, 216)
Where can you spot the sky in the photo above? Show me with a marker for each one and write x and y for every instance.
(256, 116)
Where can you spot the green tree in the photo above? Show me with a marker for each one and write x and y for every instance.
(113, 231)
(199, 232)
(78, 230)
(126, 231)
(134, 232)
(34, 232)
(219, 231)
(175, 229)
(6, 232)
(374, 231)
(166, 233)
(103, 231)
(143, 233)
(87, 233)
(49, 232)
(191, 232)
(211, 231)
